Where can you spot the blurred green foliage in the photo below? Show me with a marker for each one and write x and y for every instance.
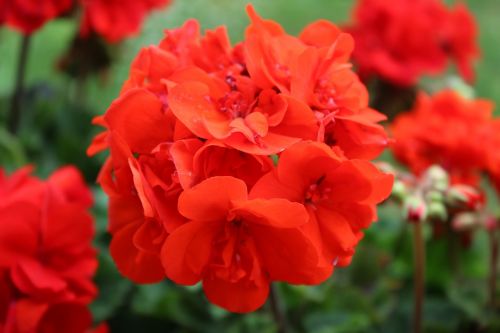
(374, 294)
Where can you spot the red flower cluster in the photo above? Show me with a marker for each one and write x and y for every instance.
(46, 258)
(492, 146)
(29, 15)
(194, 193)
(449, 130)
(402, 40)
(115, 20)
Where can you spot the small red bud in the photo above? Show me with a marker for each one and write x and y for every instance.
(491, 223)
(415, 209)
(464, 197)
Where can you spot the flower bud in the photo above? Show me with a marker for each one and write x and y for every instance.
(434, 196)
(491, 223)
(437, 178)
(461, 87)
(399, 190)
(464, 222)
(464, 197)
(436, 211)
(385, 167)
(415, 209)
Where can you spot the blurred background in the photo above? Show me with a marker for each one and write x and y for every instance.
(374, 294)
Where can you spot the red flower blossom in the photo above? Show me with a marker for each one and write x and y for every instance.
(143, 196)
(206, 162)
(314, 68)
(46, 257)
(402, 41)
(199, 122)
(444, 129)
(339, 194)
(491, 145)
(236, 246)
(115, 20)
(28, 16)
(211, 52)
(239, 114)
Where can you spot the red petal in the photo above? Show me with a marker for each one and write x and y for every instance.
(321, 33)
(183, 152)
(299, 121)
(187, 251)
(240, 297)
(150, 237)
(348, 183)
(288, 255)
(138, 117)
(70, 181)
(304, 163)
(66, 317)
(191, 104)
(360, 216)
(381, 182)
(247, 167)
(257, 122)
(338, 237)
(211, 199)
(122, 210)
(137, 265)
(99, 143)
(276, 213)
(270, 144)
(18, 232)
(31, 278)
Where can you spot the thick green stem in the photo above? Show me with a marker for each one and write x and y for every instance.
(277, 310)
(419, 276)
(16, 108)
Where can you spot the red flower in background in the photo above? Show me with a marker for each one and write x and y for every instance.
(115, 20)
(403, 40)
(29, 15)
(445, 129)
(492, 146)
(46, 258)
(197, 126)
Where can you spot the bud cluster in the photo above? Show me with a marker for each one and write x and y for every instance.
(432, 197)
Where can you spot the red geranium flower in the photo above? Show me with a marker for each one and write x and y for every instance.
(236, 246)
(143, 196)
(206, 162)
(46, 257)
(115, 20)
(401, 41)
(314, 68)
(241, 115)
(339, 194)
(445, 129)
(199, 122)
(492, 145)
(29, 15)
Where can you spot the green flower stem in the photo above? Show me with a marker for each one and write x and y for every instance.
(492, 283)
(277, 310)
(419, 276)
(14, 115)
